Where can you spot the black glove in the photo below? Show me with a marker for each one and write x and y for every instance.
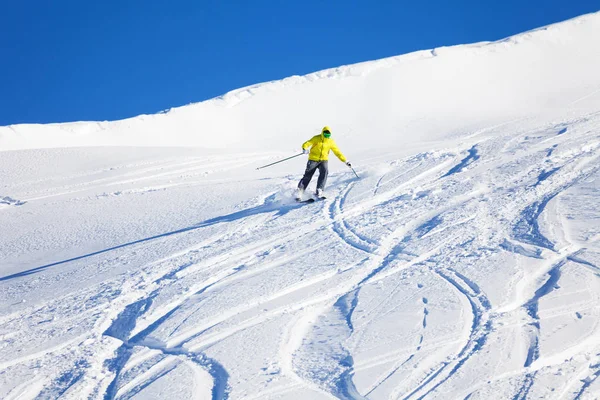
(348, 164)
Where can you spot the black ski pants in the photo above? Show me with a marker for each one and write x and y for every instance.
(311, 167)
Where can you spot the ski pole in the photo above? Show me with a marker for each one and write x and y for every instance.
(277, 162)
(354, 171)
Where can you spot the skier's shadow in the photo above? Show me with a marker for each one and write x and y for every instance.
(279, 209)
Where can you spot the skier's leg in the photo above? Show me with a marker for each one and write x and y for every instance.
(323, 172)
(311, 167)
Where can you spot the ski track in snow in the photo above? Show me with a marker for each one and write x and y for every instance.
(379, 259)
(329, 318)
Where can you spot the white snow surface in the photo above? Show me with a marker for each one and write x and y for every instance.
(149, 259)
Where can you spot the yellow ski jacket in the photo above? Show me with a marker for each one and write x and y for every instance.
(320, 147)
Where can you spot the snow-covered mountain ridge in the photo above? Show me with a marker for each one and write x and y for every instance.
(463, 263)
(416, 92)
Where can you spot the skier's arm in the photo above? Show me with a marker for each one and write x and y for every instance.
(309, 143)
(338, 153)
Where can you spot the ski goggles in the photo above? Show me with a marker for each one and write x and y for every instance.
(326, 134)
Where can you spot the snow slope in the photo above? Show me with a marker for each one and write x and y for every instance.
(148, 259)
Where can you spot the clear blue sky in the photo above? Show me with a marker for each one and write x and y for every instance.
(70, 60)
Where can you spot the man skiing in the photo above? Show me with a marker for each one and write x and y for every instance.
(319, 145)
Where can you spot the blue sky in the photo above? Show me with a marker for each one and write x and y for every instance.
(70, 60)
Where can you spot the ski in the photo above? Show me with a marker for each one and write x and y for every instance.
(311, 200)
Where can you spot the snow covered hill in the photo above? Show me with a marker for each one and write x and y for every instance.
(148, 258)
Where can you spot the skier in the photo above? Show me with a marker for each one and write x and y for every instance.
(319, 145)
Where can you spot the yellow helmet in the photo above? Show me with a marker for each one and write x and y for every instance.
(326, 131)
